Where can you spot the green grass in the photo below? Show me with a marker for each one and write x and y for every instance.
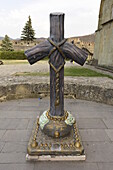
(69, 71)
(79, 71)
(13, 62)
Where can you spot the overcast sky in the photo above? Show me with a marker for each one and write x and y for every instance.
(81, 16)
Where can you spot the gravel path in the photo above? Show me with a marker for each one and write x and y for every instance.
(41, 66)
(8, 70)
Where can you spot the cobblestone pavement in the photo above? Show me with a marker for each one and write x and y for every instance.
(95, 122)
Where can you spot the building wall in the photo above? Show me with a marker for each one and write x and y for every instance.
(19, 45)
(83, 44)
(103, 50)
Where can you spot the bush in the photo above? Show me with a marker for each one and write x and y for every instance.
(12, 55)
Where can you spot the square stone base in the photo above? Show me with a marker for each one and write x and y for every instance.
(44, 148)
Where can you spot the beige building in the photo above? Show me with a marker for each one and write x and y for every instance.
(19, 45)
(103, 50)
(86, 44)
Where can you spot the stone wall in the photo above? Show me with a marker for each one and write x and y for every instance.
(92, 89)
(103, 51)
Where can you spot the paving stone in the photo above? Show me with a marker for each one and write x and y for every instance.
(31, 123)
(12, 158)
(20, 102)
(4, 123)
(99, 151)
(105, 166)
(1, 145)
(110, 133)
(15, 147)
(94, 135)
(108, 123)
(28, 166)
(25, 108)
(87, 106)
(65, 165)
(93, 119)
(13, 123)
(16, 135)
(23, 124)
(19, 114)
(2, 132)
(92, 114)
(90, 124)
(89, 109)
(43, 107)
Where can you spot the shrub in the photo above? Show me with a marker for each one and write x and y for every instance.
(12, 55)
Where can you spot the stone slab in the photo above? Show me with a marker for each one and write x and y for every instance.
(105, 166)
(108, 123)
(67, 165)
(12, 158)
(15, 147)
(2, 132)
(16, 135)
(55, 158)
(18, 166)
(1, 146)
(19, 114)
(98, 135)
(91, 123)
(10, 124)
(98, 152)
(31, 123)
(110, 133)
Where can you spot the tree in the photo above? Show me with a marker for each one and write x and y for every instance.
(6, 44)
(28, 34)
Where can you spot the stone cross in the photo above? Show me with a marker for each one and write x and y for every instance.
(57, 49)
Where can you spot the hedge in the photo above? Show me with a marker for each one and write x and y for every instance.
(12, 55)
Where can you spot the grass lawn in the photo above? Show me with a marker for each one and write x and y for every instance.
(69, 71)
(14, 62)
(11, 62)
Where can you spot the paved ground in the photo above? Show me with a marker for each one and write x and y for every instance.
(95, 122)
(41, 66)
(8, 70)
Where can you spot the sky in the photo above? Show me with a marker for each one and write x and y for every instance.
(81, 16)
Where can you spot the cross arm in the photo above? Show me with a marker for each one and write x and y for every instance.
(71, 51)
(38, 52)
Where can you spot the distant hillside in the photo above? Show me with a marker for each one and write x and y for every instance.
(1, 38)
(86, 38)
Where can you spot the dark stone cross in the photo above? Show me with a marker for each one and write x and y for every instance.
(57, 49)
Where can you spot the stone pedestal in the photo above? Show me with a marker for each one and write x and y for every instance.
(43, 147)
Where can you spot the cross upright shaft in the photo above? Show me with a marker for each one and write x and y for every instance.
(56, 123)
(56, 79)
(57, 49)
